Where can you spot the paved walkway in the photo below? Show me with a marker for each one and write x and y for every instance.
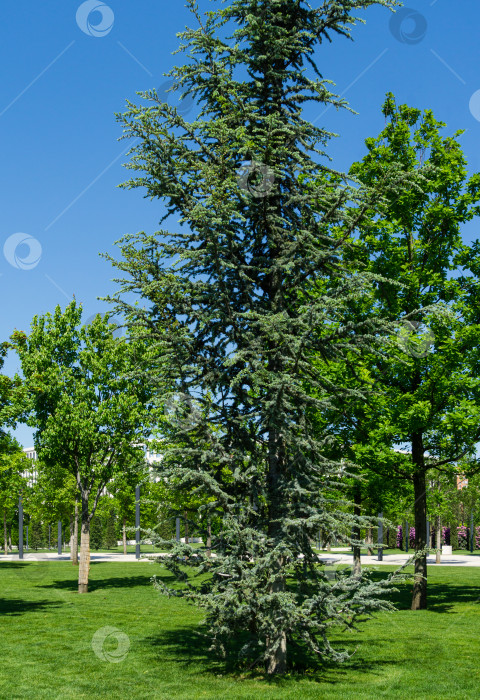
(334, 557)
(53, 556)
(401, 558)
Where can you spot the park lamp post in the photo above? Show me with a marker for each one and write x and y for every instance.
(20, 527)
(380, 536)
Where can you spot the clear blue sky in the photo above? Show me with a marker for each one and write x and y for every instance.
(64, 75)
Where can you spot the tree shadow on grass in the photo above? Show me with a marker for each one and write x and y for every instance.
(98, 584)
(12, 606)
(189, 647)
(442, 597)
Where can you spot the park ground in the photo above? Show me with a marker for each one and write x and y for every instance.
(49, 635)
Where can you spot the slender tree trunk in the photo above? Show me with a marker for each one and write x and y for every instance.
(276, 646)
(84, 569)
(419, 597)
(5, 541)
(74, 549)
(10, 537)
(124, 533)
(186, 527)
(438, 540)
(357, 507)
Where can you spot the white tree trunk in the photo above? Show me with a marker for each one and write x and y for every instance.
(84, 568)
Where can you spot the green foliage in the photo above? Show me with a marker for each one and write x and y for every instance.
(110, 537)
(96, 533)
(36, 535)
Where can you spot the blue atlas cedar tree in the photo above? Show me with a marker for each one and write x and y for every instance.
(239, 299)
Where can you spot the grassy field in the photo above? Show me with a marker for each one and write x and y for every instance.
(55, 644)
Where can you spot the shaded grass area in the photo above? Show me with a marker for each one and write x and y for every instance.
(48, 635)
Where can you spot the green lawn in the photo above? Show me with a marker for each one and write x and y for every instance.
(47, 630)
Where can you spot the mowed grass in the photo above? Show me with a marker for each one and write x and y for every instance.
(48, 633)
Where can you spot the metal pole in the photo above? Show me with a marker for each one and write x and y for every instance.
(20, 528)
(178, 529)
(471, 533)
(137, 521)
(380, 536)
(59, 549)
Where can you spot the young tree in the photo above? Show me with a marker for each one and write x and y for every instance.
(88, 414)
(13, 464)
(233, 333)
(430, 377)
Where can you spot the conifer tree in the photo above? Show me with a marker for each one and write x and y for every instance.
(239, 298)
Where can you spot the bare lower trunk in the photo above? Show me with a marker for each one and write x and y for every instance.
(124, 533)
(10, 537)
(276, 647)
(186, 528)
(419, 597)
(74, 549)
(5, 530)
(438, 540)
(84, 568)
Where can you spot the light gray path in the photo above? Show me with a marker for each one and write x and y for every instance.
(334, 558)
(400, 558)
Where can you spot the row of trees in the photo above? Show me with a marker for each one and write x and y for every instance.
(320, 328)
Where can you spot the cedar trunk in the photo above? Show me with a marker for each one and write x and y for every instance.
(276, 645)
